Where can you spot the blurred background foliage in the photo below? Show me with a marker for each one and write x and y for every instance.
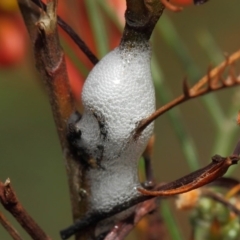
(184, 44)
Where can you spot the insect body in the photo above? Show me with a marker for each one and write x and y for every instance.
(117, 94)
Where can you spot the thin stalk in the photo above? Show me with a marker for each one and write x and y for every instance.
(185, 140)
(170, 221)
(172, 38)
(98, 27)
(73, 56)
(111, 14)
(223, 143)
(224, 140)
(210, 46)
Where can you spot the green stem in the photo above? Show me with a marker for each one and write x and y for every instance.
(98, 27)
(174, 115)
(223, 143)
(111, 14)
(73, 56)
(173, 39)
(170, 221)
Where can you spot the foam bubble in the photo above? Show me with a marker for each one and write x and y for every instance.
(117, 94)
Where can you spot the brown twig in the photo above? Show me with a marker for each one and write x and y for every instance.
(11, 203)
(226, 182)
(50, 62)
(141, 17)
(10, 229)
(72, 34)
(194, 180)
(92, 218)
(197, 179)
(121, 230)
(154, 227)
(217, 197)
(209, 83)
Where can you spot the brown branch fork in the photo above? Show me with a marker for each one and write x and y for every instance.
(212, 81)
(11, 203)
(199, 178)
(9, 228)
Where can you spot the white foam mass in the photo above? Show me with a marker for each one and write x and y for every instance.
(117, 94)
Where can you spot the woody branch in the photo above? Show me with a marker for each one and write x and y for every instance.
(11, 203)
(211, 82)
(49, 57)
